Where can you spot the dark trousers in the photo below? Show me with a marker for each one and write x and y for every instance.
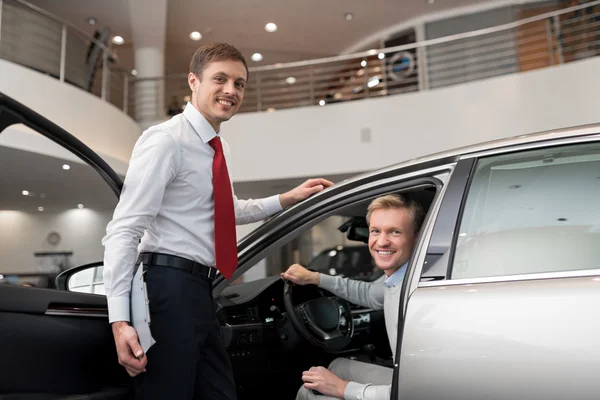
(188, 360)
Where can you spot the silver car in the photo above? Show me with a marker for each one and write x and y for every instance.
(500, 301)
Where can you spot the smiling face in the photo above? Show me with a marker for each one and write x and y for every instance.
(219, 90)
(391, 238)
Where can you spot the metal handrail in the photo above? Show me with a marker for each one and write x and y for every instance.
(429, 42)
(63, 22)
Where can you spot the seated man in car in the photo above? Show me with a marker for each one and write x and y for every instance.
(394, 223)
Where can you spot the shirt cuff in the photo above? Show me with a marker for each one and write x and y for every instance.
(327, 282)
(118, 309)
(355, 391)
(272, 205)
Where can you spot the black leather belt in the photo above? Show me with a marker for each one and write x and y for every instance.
(168, 260)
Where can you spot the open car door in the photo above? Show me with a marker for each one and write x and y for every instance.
(55, 344)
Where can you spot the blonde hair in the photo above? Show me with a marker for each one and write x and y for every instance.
(396, 201)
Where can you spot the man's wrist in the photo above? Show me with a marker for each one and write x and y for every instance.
(342, 389)
(286, 200)
(117, 325)
(316, 278)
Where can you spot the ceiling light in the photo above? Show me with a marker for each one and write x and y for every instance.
(290, 80)
(256, 57)
(66, 167)
(270, 27)
(348, 16)
(134, 72)
(25, 192)
(363, 63)
(372, 52)
(91, 21)
(374, 81)
(381, 56)
(195, 35)
(270, 109)
(360, 72)
(118, 40)
(40, 209)
(321, 103)
(338, 96)
(431, 1)
(80, 206)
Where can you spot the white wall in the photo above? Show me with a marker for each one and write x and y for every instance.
(22, 234)
(327, 140)
(100, 125)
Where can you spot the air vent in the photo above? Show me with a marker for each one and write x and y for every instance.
(236, 316)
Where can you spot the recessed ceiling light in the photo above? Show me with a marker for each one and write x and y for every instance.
(66, 167)
(348, 16)
(381, 56)
(195, 35)
(134, 72)
(321, 103)
(118, 40)
(360, 72)
(270, 27)
(431, 1)
(256, 57)
(270, 109)
(80, 206)
(25, 192)
(290, 80)
(40, 209)
(91, 21)
(372, 52)
(374, 81)
(363, 63)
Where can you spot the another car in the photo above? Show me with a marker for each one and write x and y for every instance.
(500, 298)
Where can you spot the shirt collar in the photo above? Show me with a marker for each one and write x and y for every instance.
(396, 277)
(199, 123)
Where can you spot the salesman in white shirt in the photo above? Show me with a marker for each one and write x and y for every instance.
(178, 199)
(394, 223)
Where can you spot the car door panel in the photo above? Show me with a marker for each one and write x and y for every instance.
(70, 351)
(503, 340)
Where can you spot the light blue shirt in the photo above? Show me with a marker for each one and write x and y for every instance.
(396, 277)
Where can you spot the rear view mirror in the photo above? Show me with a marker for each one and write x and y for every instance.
(356, 228)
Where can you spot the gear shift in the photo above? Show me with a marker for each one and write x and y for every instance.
(370, 350)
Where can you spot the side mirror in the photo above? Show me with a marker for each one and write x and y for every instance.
(83, 279)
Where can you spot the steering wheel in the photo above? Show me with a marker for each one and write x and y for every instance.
(326, 322)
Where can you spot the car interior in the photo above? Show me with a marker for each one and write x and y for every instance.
(274, 330)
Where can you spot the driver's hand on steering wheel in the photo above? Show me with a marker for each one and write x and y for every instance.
(301, 276)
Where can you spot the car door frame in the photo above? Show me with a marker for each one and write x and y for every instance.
(444, 230)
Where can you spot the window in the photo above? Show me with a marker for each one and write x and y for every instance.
(53, 211)
(532, 212)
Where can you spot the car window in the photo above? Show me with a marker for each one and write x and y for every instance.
(531, 212)
(53, 210)
(322, 248)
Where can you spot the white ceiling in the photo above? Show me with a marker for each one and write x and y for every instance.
(307, 28)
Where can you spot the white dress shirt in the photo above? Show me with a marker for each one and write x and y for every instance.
(167, 201)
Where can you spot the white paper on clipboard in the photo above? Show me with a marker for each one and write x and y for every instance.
(140, 310)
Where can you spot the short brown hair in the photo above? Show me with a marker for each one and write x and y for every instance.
(394, 201)
(215, 52)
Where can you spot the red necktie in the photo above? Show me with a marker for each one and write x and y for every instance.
(225, 237)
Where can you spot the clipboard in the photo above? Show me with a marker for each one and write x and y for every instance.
(140, 309)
